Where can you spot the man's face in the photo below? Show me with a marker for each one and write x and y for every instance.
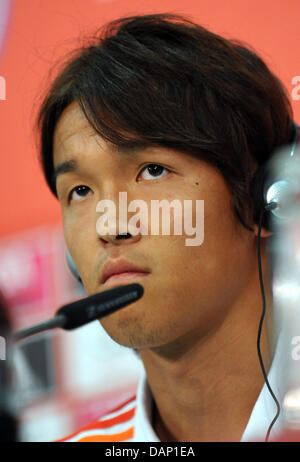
(189, 289)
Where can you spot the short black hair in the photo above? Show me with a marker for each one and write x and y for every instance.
(164, 80)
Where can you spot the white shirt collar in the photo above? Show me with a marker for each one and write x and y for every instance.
(144, 431)
(265, 408)
(262, 414)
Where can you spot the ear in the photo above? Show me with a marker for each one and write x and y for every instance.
(263, 232)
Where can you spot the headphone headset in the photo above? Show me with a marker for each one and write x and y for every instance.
(72, 266)
(267, 189)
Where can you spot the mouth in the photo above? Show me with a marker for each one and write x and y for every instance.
(124, 278)
(121, 271)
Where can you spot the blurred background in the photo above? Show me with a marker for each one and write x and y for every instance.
(66, 379)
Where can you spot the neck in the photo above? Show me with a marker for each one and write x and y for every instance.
(205, 387)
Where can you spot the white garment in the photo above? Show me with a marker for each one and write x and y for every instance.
(262, 414)
(132, 421)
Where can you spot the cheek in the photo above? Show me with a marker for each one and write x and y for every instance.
(210, 241)
(221, 261)
(226, 245)
(80, 233)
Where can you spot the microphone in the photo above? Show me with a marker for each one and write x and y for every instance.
(85, 310)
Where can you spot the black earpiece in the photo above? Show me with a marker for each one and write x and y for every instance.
(271, 189)
(72, 266)
(267, 189)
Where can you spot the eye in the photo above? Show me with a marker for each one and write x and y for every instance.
(153, 170)
(79, 191)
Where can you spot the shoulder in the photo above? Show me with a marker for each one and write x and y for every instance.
(116, 425)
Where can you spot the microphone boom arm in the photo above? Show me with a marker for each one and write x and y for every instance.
(88, 309)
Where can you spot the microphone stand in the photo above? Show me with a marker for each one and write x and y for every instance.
(58, 321)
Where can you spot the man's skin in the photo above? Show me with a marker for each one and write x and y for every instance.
(196, 326)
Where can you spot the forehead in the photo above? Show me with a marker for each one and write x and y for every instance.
(73, 133)
(75, 138)
(71, 125)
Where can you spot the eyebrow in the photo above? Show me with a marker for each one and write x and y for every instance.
(70, 166)
(64, 167)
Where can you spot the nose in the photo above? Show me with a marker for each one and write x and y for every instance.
(119, 239)
(113, 230)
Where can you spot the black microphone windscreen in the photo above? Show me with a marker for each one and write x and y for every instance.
(98, 305)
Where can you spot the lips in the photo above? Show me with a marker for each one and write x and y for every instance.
(112, 268)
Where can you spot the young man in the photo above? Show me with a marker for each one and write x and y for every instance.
(162, 109)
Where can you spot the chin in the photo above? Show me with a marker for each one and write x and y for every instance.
(130, 332)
